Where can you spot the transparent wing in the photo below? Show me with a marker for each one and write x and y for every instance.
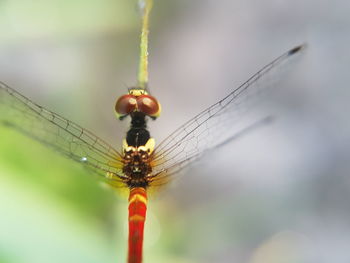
(51, 129)
(164, 176)
(217, 124)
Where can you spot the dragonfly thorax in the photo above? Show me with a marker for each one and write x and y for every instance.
(138, 135)
(137, 163)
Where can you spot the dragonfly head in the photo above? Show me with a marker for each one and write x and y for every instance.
(137, 100)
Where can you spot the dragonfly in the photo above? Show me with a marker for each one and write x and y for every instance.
(141, 164)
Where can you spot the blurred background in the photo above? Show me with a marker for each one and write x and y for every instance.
(278, 194)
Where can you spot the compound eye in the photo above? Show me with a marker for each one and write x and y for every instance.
(125, 105)
(148, 105)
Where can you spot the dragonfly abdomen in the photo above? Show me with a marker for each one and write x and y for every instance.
(137, 216)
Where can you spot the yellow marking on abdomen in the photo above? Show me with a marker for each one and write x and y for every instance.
(137, 218)
(139, 198)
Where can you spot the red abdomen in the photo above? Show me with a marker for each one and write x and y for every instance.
(137, 216)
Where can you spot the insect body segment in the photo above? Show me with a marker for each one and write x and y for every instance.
(137, 163)
(137, 215)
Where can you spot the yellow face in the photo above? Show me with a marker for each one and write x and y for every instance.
(137, 92)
